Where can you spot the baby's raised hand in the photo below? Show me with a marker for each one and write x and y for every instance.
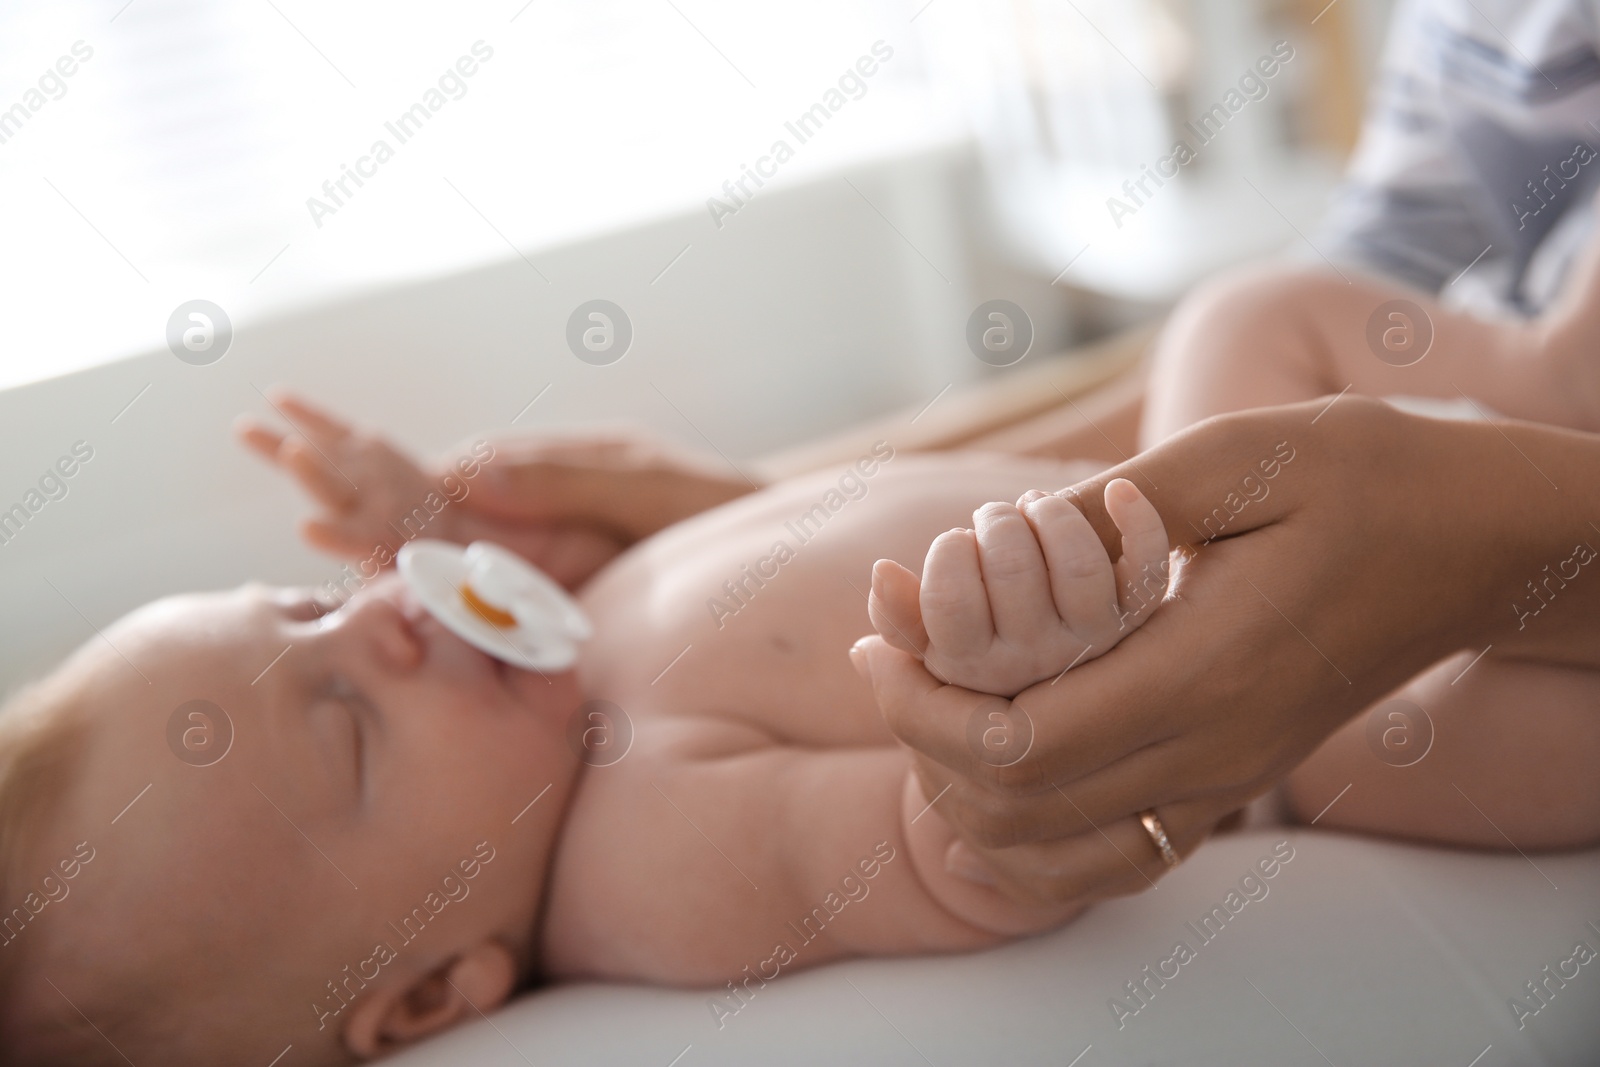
(1027, 593)
(366, 486)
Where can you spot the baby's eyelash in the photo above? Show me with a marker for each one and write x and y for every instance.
(348, 693)
(341, 690)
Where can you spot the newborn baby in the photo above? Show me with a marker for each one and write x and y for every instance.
(401, 831)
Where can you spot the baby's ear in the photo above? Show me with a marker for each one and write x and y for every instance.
(395, 1014)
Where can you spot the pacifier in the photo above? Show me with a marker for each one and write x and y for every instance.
(496, 601)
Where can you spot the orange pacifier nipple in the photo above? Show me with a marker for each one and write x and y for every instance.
(496, 601)
(484, 610)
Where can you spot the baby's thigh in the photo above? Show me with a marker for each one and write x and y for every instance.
(1503, 758)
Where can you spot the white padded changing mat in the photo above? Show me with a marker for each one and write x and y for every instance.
(1360, 952)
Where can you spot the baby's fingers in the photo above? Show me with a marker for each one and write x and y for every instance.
(316, 473)
(954, 602)
(317, 423)
(337, 540)
(1082, 579)
(258, 437)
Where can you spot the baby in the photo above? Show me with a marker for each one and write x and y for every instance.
(390, 832)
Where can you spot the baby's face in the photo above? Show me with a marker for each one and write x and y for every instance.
(372, 755)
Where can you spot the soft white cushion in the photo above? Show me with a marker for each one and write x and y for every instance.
(1361, 952)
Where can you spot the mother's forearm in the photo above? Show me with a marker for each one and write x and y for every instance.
(1540, 542)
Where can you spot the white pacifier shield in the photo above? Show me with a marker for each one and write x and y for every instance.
(548, 624)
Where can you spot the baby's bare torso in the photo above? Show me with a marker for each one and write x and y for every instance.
(756, 755)
(748, 611)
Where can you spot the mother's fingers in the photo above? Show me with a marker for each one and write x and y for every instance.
(945, 722)
(994, 819)
(1193, 475)
(1071, 726)
(1111, 859)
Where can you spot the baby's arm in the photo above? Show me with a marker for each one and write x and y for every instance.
(568, 503)
(723, 850)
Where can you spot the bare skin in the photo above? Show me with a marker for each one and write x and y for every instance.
(1394, 552)
(377, 758)
(761, 774)
(1511, 736)
(762, 819)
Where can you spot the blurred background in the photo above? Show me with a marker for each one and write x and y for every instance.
(938, 154)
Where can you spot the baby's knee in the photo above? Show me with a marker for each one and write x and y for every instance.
(1250, 303)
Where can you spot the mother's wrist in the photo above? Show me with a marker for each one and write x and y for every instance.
(1543, 496)
(1461, 511)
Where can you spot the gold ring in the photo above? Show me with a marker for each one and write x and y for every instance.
(1158, 837)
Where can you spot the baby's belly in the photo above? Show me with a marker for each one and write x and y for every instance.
(749, 610)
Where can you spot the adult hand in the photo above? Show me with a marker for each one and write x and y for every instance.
(1330, 553)
(627, 482)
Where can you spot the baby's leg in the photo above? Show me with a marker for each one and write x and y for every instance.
(1277, 334)
(1510, 762)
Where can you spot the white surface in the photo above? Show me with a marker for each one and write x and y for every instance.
(179, 160)
(807, 314)
(1362, 952)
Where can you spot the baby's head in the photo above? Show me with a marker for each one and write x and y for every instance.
(236, 823)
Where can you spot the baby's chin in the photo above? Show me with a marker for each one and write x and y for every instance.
(543, 692)
(552, 695)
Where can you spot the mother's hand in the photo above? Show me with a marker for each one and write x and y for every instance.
(1328, 554)
(571, 501)
(626, 480)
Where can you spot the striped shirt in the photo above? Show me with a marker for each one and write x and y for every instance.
(1480, 149)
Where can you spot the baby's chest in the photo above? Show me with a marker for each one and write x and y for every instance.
(749, 635)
